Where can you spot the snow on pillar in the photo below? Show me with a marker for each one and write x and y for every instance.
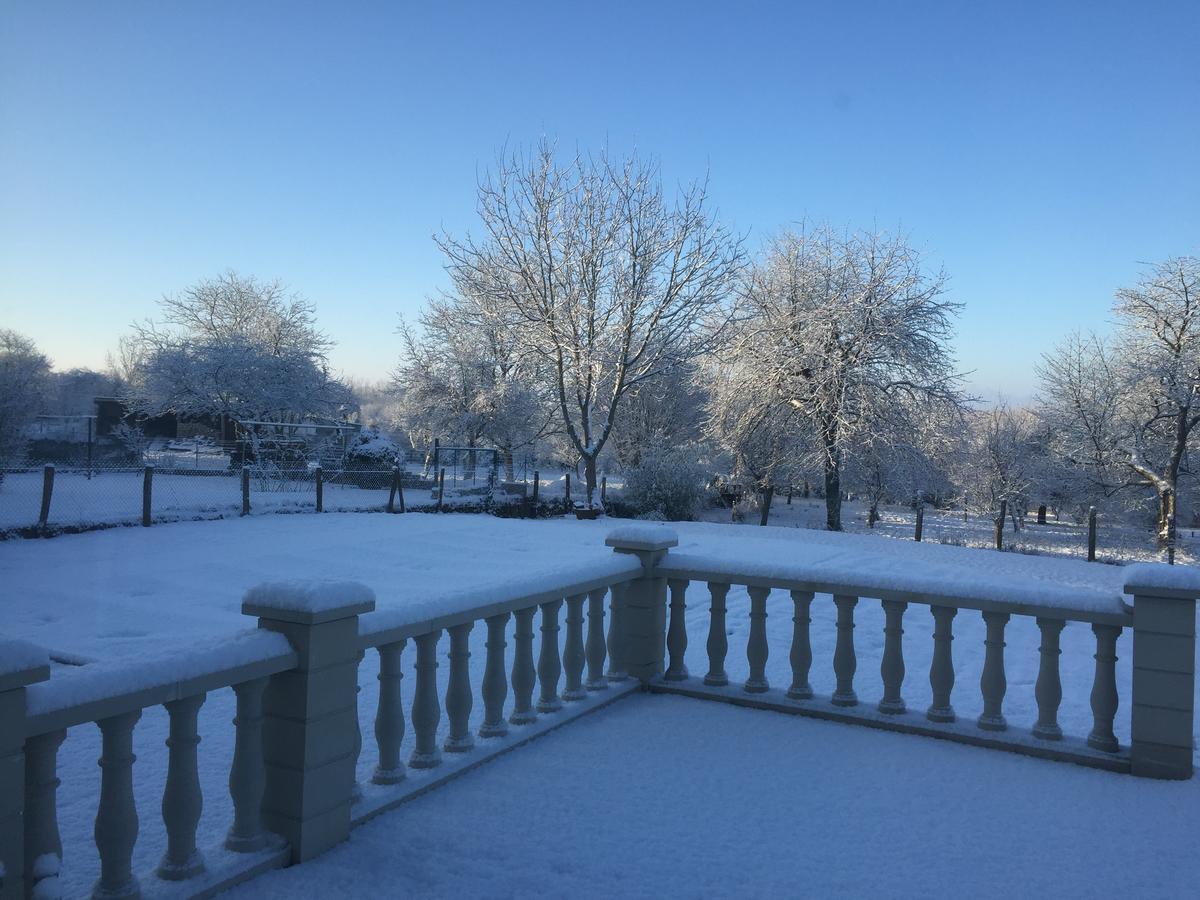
(644, 611)
(310, 713)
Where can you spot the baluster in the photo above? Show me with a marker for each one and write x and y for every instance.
(992, 682)
(1104, 689)
(941, 669)
(596, 650)
(495, 680)
(459, 699)
(573, 650)
(426, 713)
(1048, 689)
(389, 715)
(247, 775)
(677, 632)
(522, 670)
(117, 820)
(616, 636)
(801, 657)
(844, 660)
(356, 793)
(718, 642)
(182, 800)
(756, 644)
(549, 666)
(892, 666)
(43, 843)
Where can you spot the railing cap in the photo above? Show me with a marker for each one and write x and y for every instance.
(308, 602)
(22, 663)
(1162, 580)
(642, 537)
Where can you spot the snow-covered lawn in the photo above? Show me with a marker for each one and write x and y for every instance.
(120, 594)
(659, 796)
(1115, 541)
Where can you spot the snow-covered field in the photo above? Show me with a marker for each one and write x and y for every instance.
(121, 594)
(1115, 542)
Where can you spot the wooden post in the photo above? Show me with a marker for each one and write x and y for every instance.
(437, 453)
(320, 476)
(441, 487)
(400, 489)
(1091, 534)
(245, 491)
(1041, 520)
(1000, 525)
(568, 483)
(920, 522)
(147, 489)
(603, 488)
(537, 483)
(89, 448)
(47, 493)
(391, 503)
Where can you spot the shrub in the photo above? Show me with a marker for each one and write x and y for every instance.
(667, 485)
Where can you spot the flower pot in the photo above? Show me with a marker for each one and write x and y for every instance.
(585, 513)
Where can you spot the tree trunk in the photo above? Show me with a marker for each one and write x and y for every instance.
(767, 495)
(509, 468)
(589, 472)
(873, 514)
(1166, 512)
(833, 495)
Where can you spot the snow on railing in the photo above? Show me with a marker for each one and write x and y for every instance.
(296, 679)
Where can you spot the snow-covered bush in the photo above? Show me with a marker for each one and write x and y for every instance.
(666, 485)
(372, 449)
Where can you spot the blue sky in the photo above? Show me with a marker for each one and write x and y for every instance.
(1039, 152)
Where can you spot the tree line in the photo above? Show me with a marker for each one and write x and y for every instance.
(595, 313)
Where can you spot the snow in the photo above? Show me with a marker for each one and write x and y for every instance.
(315, 598)
(749, 803)
(19, 656)
(149, 596)
(78, 685)
(1148, 576)
(641, 537)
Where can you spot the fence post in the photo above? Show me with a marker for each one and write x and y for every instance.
(537, 483)
(1164, 669)
(1091, 534)
(23, 664)
(441, 487)
(920, 528)
(644, 609)
(391, 504)
(310, 713)
(320, 475)
(245, 491)
(568, 483)
(89, 448)
(1041, 519)
(147, 490)
(1000, 525)
(47, 493)
(603, 488)
(400, 488)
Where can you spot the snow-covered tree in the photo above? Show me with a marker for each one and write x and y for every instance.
(1002, 461)
(1126, 408)
(662, 412)
(844, 331)
(24, 376)
(604, 279)
(462, 376)
(240, 347)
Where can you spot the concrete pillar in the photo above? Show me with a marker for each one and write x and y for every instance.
(310, 714)
(21, 664)
(644, 631)
(1164, 668)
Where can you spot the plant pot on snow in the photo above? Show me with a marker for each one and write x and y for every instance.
(588, 512)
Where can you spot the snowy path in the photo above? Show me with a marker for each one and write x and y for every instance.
(670, 797)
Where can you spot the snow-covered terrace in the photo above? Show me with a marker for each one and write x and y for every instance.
(669, 792)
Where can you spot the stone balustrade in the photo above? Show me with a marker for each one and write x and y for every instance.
(293, 779)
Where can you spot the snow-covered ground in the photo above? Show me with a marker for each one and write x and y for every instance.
(1115, 541)
(128, 593)
(661, 796)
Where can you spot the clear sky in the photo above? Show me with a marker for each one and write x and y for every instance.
(1039, 151)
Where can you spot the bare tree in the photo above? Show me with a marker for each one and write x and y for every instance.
(844, 331)
(597, 274)
(24, 376)
(1127, 408)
